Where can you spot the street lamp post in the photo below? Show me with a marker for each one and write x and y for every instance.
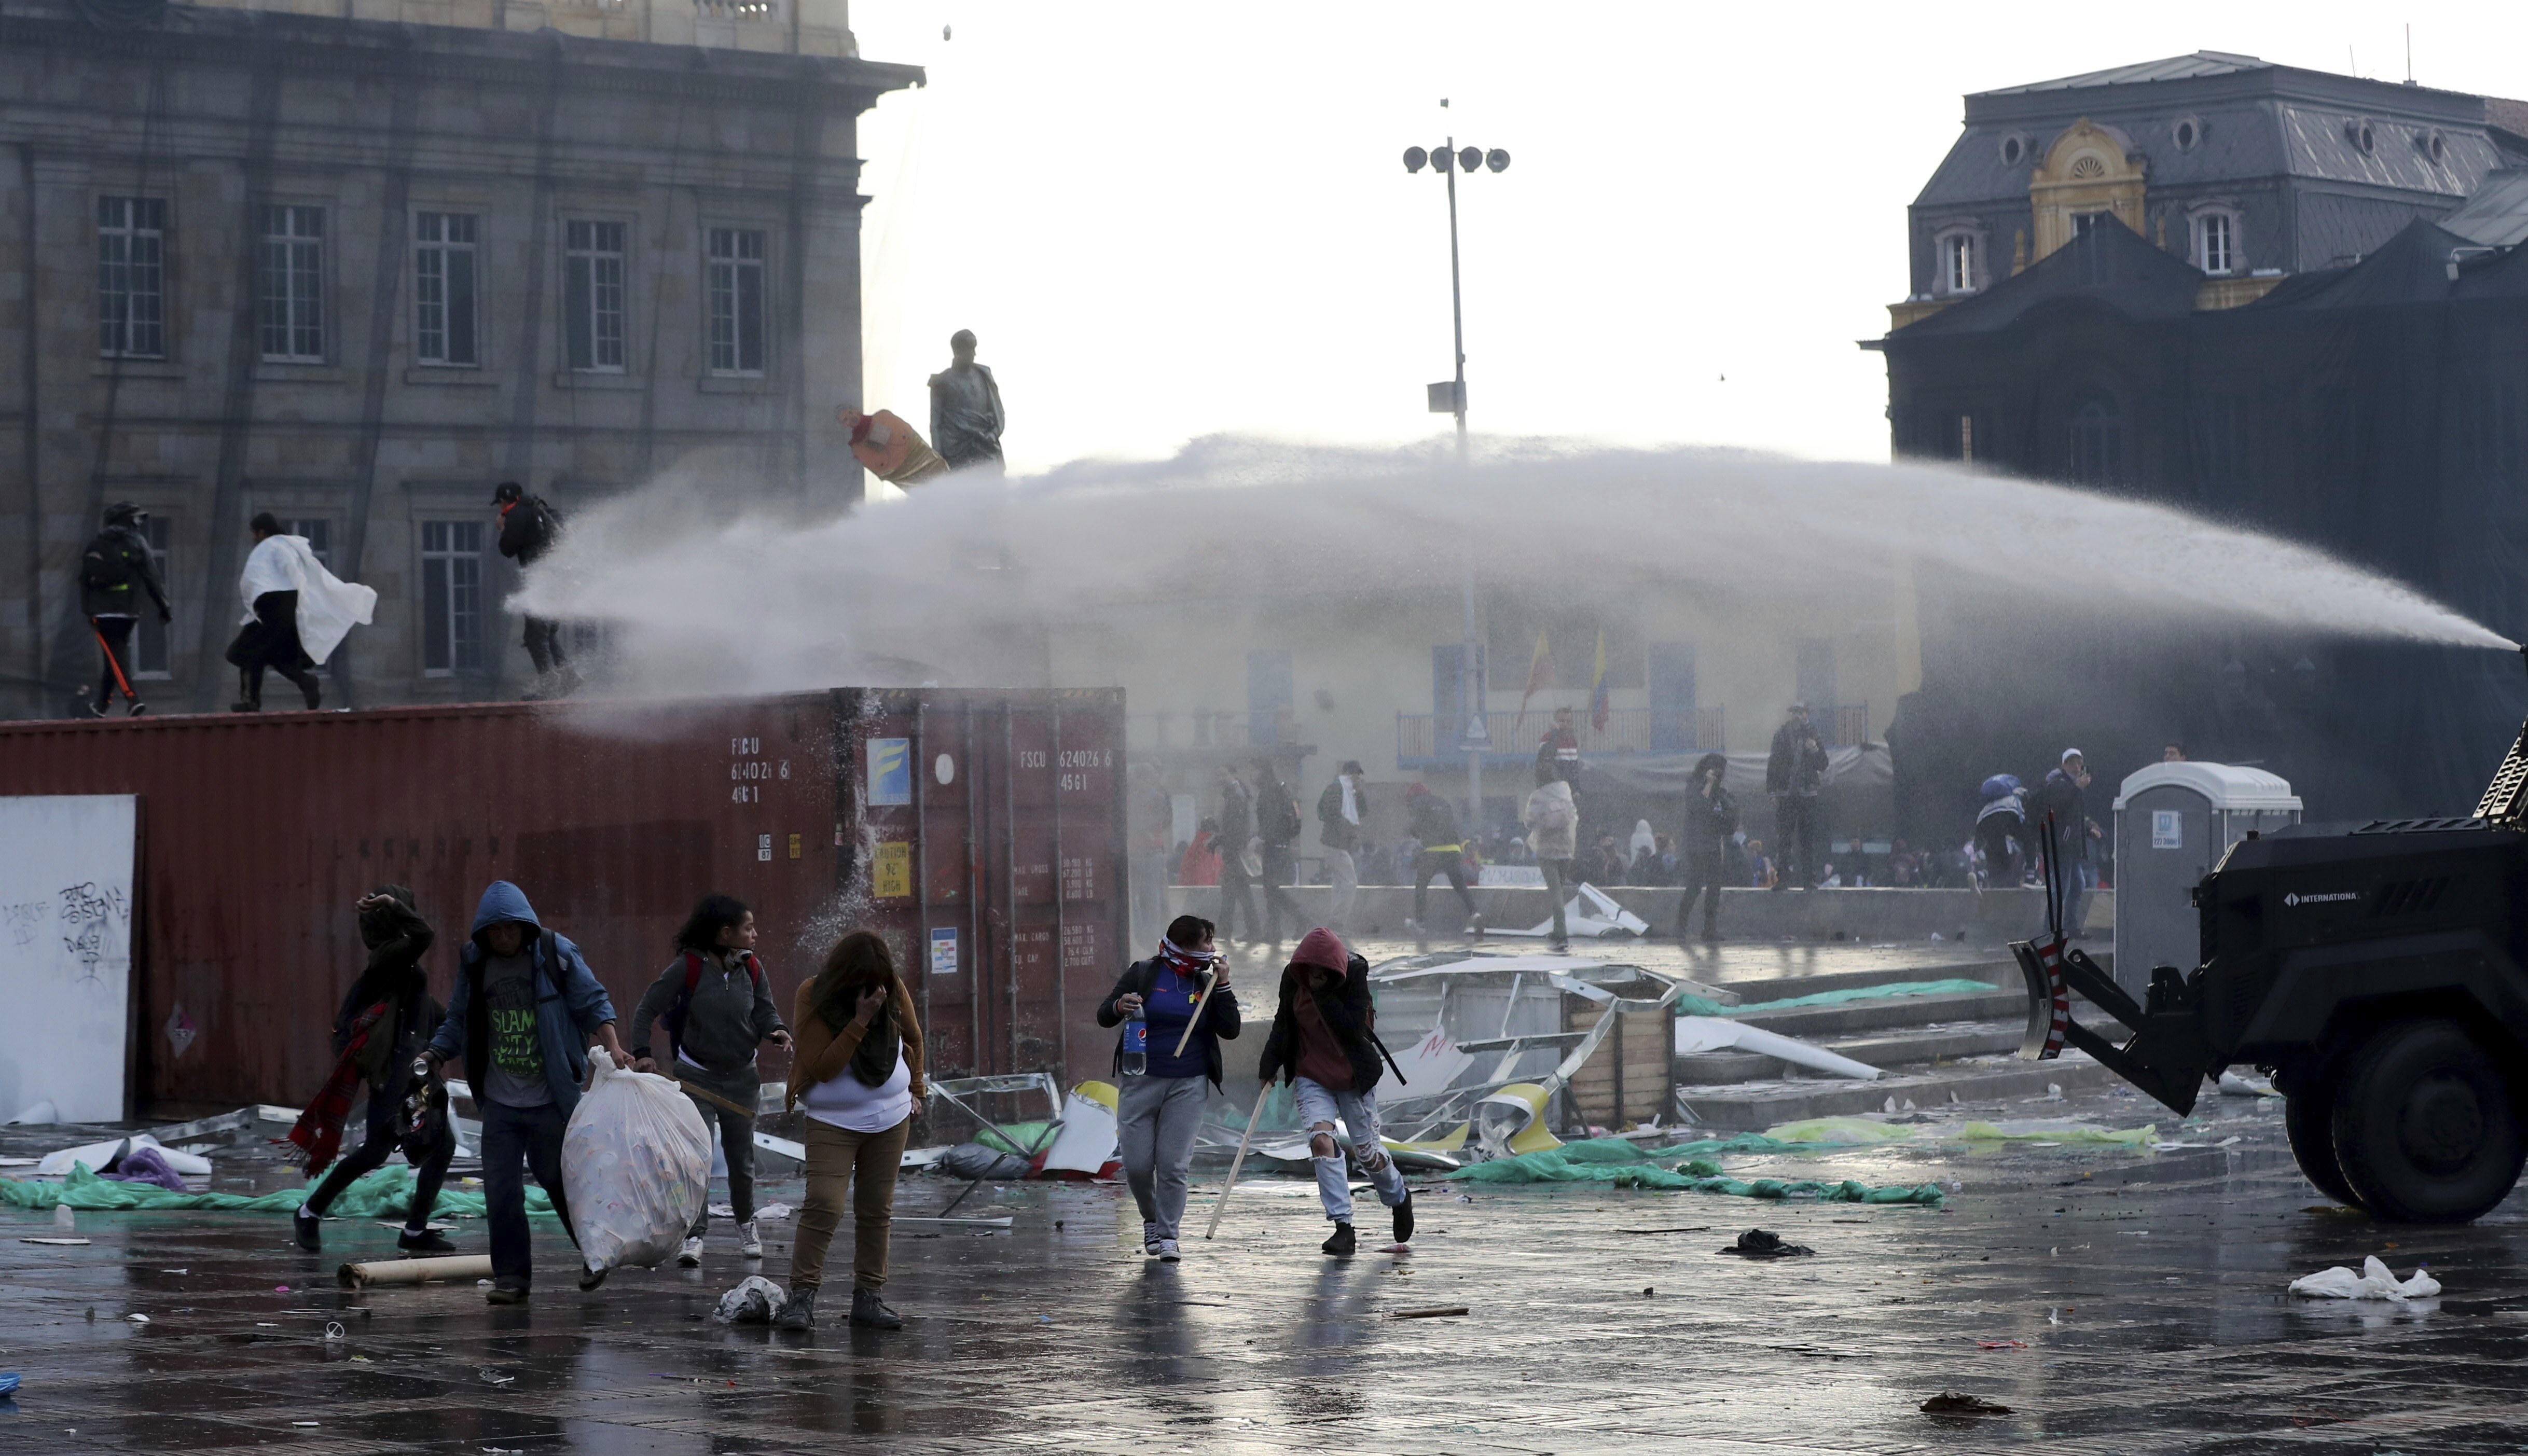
(1449, 398)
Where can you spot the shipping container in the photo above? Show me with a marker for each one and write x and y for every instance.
(981, 831)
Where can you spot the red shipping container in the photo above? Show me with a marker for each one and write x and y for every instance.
(823, 811)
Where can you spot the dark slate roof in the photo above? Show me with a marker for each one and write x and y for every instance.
(2411, 267)
(2497, 216)
(2175, 67)
(2109, 264)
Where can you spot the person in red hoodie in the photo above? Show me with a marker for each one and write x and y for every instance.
(1325, 1039)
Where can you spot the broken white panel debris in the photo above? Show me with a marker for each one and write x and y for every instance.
(1589, 914)
(1722, 1034)
(97, 1155)
(2375, 1282)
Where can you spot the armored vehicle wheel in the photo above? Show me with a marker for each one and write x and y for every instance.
(2308, 1121)
(2426, 1126)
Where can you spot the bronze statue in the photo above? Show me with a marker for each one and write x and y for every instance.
(966, 418)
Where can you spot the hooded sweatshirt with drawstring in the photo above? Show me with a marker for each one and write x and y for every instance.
(570, 1005)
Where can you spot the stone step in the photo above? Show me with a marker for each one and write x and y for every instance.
(1752, 1107)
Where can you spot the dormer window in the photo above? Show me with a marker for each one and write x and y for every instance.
(1961, 262)
(2216, 243)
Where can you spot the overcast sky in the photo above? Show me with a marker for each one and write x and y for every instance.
(1169, 219)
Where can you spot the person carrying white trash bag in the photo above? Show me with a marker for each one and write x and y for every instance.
(297, 613)
(636, 1162)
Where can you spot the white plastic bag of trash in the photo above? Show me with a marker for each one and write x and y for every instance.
(755, 1301)
(636, 1166)
(2374, 1281)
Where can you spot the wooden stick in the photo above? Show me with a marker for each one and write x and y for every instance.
(696, 1089)
(1210, 978)
(1237, 1163)
(1441, 1313)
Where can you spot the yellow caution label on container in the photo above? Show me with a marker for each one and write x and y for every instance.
(892, 874)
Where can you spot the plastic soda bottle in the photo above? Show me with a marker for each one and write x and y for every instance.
(1137, 1048)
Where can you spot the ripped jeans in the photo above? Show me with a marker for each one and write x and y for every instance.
(1359, 1114)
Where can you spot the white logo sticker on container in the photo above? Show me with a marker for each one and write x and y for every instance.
(2167, 829)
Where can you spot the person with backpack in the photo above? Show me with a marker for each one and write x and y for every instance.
(1339, 811)
(716, 1006)
(1160, 1107)
(384, 1020)
(113, 564)
(1711, 819)
(529, 527)
(1439, 850)
(1325, 1040)
(1553, 823)
(1278, 826)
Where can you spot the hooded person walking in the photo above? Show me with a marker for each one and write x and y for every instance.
(1325, 1040)
(716, 1006)
(1162, 1096)
(524, 1010)
(379, 1030)
(857, 1074)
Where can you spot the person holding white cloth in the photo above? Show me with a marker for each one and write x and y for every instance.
(297, 613)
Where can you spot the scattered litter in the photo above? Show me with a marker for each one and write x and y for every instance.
(1395, 1249)
(770, 1213)
(334, 1331)
(1622, 1163)
(2001, 1344)
(64, 1218)
(977, 1223)
(2375, 1282)
(399, 1226)
(1758, 1243)
(491, 1377)
(302, 1423)
(1950, 1403)
(1723, 1033)
(1442, 1312)
(2046, 1128)
(2233, 1084)
(2053, 1091)
(267, 1325)
(175, 1271)
(1824, 1130)
(1700, 1229)
(755, 1301)
(281, 1288)
(8, 1382)
(2170, 1147)
(58, 1242)
(138, 1318)
(1690, 1005)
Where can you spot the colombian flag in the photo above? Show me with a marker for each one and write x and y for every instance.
(1597, 686)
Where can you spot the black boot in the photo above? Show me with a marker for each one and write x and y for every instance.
(1342, 1242)
(1404, 1213)
(423, 1241)
(869, 1310)
(801, 1312)
(305, 1225)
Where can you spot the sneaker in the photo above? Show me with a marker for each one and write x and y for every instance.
(423, 1241)
(1149, 1241)
(136, 710)
(1403, 1215)
(242, 705)
(869, 1310)
(591, 1278)
(1168, 1251)
(799, 1313)
(1341, 1242)
(1475, 927)
(1558, 947)
(690, 1255)
(304, 1227)
(314, 693)
(750, 1244)
(1412, 926)
(506, 1294)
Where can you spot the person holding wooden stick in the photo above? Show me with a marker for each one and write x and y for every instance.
(1176, 1008)
(716, 1006)
(1325, 1040)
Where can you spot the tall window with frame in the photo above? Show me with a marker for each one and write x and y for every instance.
(2216, 243)
(294, 284)
(593, 276)
(451, 597)
(443, 291)
(319, 532)
(735, 284)
(149, 655)
(131, 278)
(1959, 273)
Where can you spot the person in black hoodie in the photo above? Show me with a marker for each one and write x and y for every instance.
(114, 563)
(398, 937)
(1161, 1102)
(1324, 1038)
(529, 527)
(1710, 817)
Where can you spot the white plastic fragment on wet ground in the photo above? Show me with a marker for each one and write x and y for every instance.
(2375, 1282)
(770, 1213)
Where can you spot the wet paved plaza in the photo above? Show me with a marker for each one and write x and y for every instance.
(2146, 1287)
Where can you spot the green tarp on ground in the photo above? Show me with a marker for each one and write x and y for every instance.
(1621, 1164)
(1695, 1006)
(383, 1194)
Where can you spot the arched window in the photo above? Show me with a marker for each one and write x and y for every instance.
(2096, 442)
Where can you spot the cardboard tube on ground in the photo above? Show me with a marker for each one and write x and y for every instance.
(414, 1271)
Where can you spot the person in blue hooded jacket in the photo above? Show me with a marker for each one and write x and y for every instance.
(523, 1013)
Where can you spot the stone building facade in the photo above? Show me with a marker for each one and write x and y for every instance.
(355, 268)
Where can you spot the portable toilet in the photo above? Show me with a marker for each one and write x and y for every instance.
(2174, 821)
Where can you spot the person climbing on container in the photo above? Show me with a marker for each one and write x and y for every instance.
(1277, 828)
(297, 613)
(1163, 1090)
(525, 1008)
(716, 1006)
(116, 562)
(386, 1018)
(1711, 819)
(1325, 1040)
(1442, 852)
(857, 1074)
(529, 527)
(1553, 823)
